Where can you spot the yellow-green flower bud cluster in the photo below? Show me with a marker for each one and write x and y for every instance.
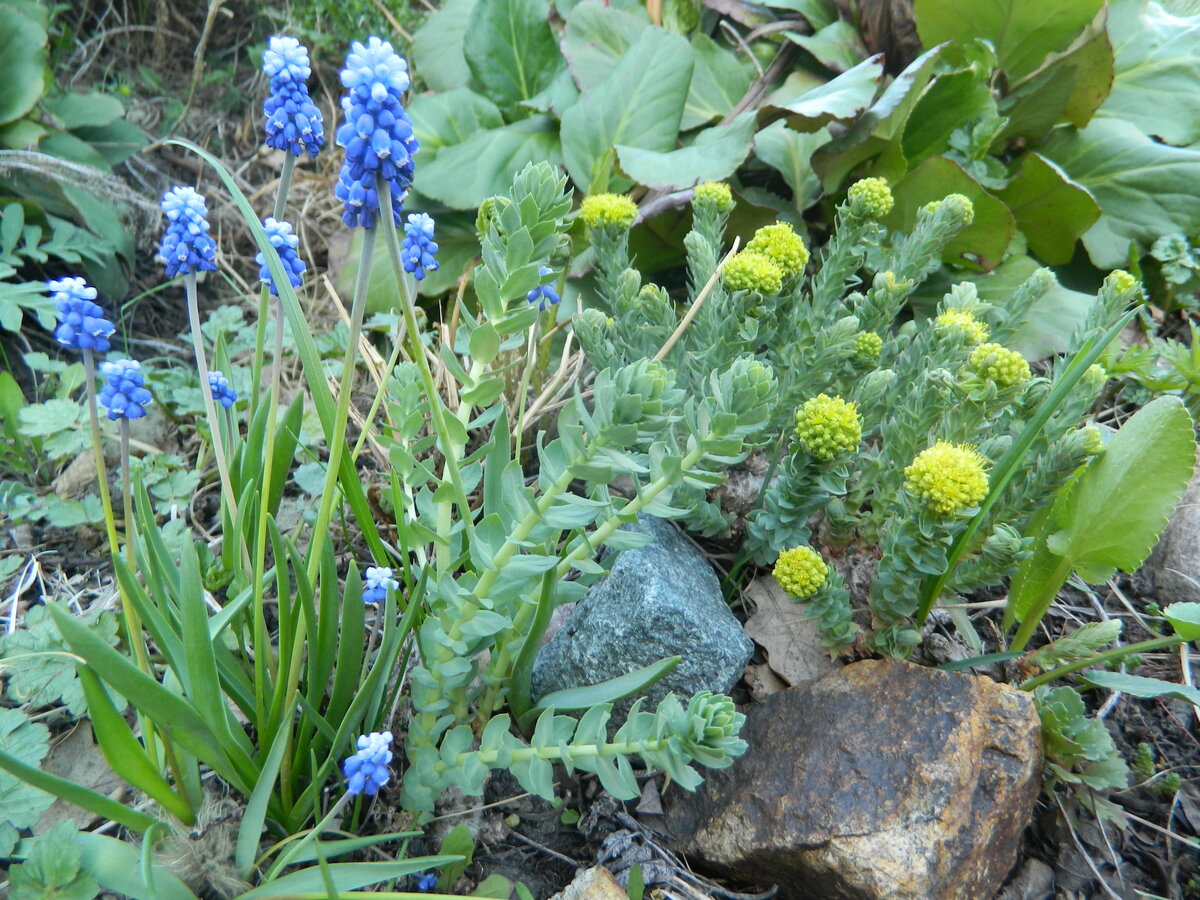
(870, 198)
(1122, 282)
(801, 572)
(1095, 377)
(600, 210)
(715, 194)
(1092, 439)
(868, 345)
(964, 322)
(960, 207)
(750, 271)
(828, 426)
(780, 244)
(948, 478)
(1007, 368)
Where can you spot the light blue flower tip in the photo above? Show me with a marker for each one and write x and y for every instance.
(123, 395)
(367, 770)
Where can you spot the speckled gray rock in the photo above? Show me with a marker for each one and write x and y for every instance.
(659, 600)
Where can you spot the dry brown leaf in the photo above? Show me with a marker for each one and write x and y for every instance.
(77, 758)
(781, 627)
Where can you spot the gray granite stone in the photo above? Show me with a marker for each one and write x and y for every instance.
(658, 601)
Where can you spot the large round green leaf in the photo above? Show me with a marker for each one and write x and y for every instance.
(1051, 210)
(1145, 189)
(23, 62)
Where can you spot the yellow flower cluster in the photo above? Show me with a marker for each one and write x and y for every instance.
(1122, 282)
(1007, 368)
(868, 345)
(801, 572)
(713, 193)
(948, 477)
(870, 198)
(599, 210)
(780, 244)
(750, 271)
(828, 426)
(961, 207)
(964, 322)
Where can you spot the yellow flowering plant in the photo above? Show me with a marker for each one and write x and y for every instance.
(893, 440)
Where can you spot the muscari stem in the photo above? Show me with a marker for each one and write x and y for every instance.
(329, 491)
(260, 331)
(264, 654)
(214, 424)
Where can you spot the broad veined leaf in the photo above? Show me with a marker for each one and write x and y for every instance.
(464, 175)
(23, 60)
(876, 130)
(719, 82)
(114, 142)
(948, 103)
(640, 104)
(1051, 320)
(715, 155)
(92, 109)
(511, 50)
(596, 38)
(984, 241)
(837, 45)
(1052, 211)
(1112, 515)
(442, 120)
(437, 51)
(1024, 32)
(1157, 70)
(1144, 189)
(842, 98)
(790, 152)
(1069, 88)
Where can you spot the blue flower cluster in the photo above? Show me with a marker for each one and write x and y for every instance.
(377, 134)
(367, 770)
(419, 246)
(281, 237)
(220, 388)
(81, 322)
(376, 582)
(293, 122)
(186, 246)
(545, 294)
(123, 394)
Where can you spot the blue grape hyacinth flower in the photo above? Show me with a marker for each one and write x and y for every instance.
(81, 321)
(544, 295)
(123, 394)
(367, 770)
(285, 242)
(377, 133)
(376, 582)
(294, 123)
(220, 388)
(186, 246)
(427, 882)
(419, 246)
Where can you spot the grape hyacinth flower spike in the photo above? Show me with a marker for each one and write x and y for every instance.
(544, 295)
(367, 770)
(294, 123)
(377, 133)
(124, 394)
(81, 322)
(187, 246)
(376, 582)
(220, 388)
(285, 243)
(418, 248)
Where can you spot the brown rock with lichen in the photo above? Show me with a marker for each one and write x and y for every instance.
(881, 781)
